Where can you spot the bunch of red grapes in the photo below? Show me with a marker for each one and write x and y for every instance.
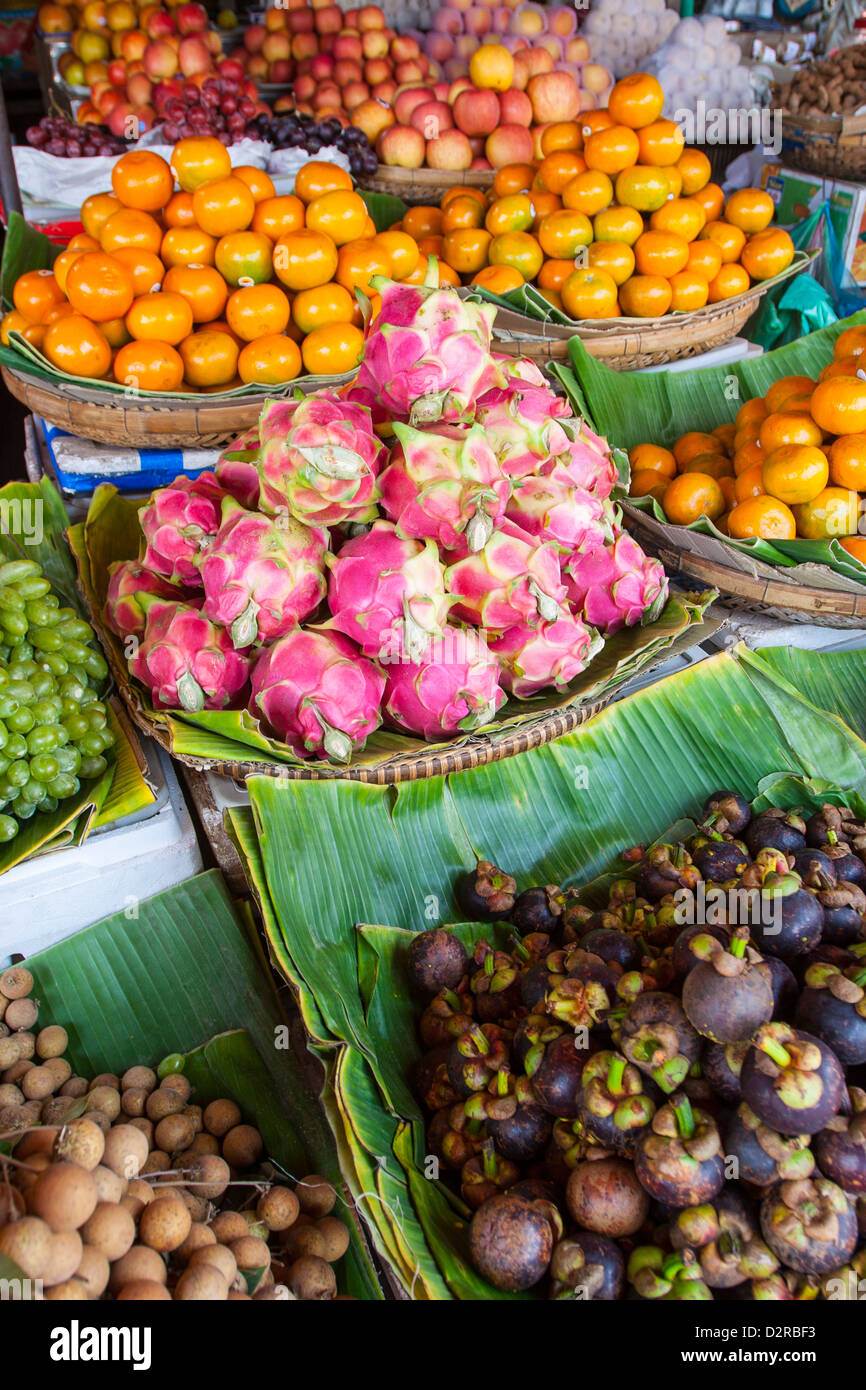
(58, 136)
(220, 108)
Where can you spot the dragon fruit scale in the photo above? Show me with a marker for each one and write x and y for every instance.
(615, 585)
(443, 484)
(553, 509)
(236, 469)
(515, 579)
(262, 575)
(319, 460)
(532, 659)
(427, 353)
(178, 523)
(316, 693)
(388, 593)
(587, 461)
(521, 425)
(127, 579)
(185, 660)
(453, 689)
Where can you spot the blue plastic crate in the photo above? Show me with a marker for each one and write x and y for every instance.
(128, 469)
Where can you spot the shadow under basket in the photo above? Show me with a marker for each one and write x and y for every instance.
(790, 602)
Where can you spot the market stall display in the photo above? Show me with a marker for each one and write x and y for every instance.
(823, 127)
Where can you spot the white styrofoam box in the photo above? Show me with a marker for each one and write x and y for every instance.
(51, 898)
(760, 630)
(737, 350)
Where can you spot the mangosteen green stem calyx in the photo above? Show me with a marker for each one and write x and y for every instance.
(486, 893)
(833, 1007)
(764, 1155)
(657, 1037)
(678, 1158)
(727, 995)
(791, 1080)
(810, 1225)
(676, 1277)
(840, 1148)
(614, 1107)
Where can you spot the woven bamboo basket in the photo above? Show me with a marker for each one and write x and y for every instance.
(168, 422)
(789, 600)
(832, 146)
(424, 185)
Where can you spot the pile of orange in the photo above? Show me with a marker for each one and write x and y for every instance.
(791, 464)
(214, 285)
(616, 218)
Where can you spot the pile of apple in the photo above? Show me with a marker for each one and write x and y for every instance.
(460, 27)
(332, 57)
(493, 117)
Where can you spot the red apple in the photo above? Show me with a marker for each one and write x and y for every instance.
(193, 55)
(354, 93)
(305, 86)
(346, 71)
(329, 19)
(461, 84)
(300, 22)
(384, 91)
(159, 25)
(322, 66)
(116, 72)
(376, 69)
(348, 46)
(409, 71)
(516, 107)
(254, 37)
(401, 145)
(509, 144)
(370, 17)
(403, 47)
(480, 163)
(447, 22)
(160, 59)
(406, 101)
(477, 20)
(139, 89)
(280, 72)
(439, 47)
(276, 45)
(374, 44)
(372, 117)
(304, 46)
(455, 68)
(190, 18)
(431, 118)
(555, 96)
(451, 151)
(257, 66)
(231, 68)
(122, 119)
(132, 44)
(476, 112)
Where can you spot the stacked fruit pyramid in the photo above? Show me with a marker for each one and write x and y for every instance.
(480, 555)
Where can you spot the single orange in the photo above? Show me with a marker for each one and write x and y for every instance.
(691, 444)
(333, 349)
(682, 216)
(278, 216)
(730, 281)
(358, 262)
(258, 311)
(517, 249)
(855, 546)
(652, 456)
(598, 119)
(401, 250)
(270, 361)
(788, 428)
(645, 482)
(460, 212)
(729, 239)
(750, 209)
(340, 215)
(466, 249)
(142, 179)
(763, 516)
(705, 259)
(323, 304)
(511, 178)
(187, 246)
(423, 221)
(318, 177)
(636, 100)
(588, 193)
(96, 210)
(690, 496)
(590, 294)
(130, 227)
(242, 256)
(661, 143)
(752, 411)
(146, 269)
(561, 135)
(749, 483)
(199, 159)
(725, 435)
(830, 515)
(501, 279)
(714, 464)
(304, 259)
(99, 287)
(795, 473)
(75, 345)
(847, 457)
(746, 456)
(260, 184)
(777, 395)
(161, 317)
(149, 366)
(689, 291)
(711, 199)
(660, 253)
(562, 234)
(695, 170)
(513, 213)
(838, 405)
(34, 293)
(224, 206)
(179, 211)
(850, 343)
(646, 296)
(551, 276)
(210, 358)
(614, 257)
(203, 288)
(767, 253)
(558, 169)
(611, 150)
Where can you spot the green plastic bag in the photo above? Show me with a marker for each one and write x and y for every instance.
(811, 300)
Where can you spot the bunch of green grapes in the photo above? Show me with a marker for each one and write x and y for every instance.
(53, 726)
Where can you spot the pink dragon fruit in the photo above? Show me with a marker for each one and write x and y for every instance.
(126, 580)
(443, 484)
(553, 654)
(236, 469)
(319, 460)
(388, 594)
(317, 694)
(454, 689)
(615, 585)
(427, 353)
(185, 660)
(588, 462)
(553, 509)
(521, 428)
(519, 370)
(262, 575)
(514, 580)
(178, 523)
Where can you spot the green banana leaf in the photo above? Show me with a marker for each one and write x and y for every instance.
(111, 532)
(633, 408)
(384, 208)
(183, 972)
(325, 857)
(23, 249)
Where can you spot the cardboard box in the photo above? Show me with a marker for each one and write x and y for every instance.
(797, 194)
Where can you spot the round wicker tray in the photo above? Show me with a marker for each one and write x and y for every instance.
(789, 601)
(155, 423)
(833, 146)
(424, 185)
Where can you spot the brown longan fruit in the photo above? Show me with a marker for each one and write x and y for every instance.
(196, 1206)
(75, 1087)
(208, 1176)
(228, 1226)
(162, 1102)
(60, 1070)
(26, 1045)
(298, 1241)
(221, 1116)
(143, 1078)
(110, 1229)
(133, 1100)
(204, 1282)
(105, 1099)
(146, 1126)
(251, 1253)
(51, 1041)
(31, 1109)
(164, 1224)
(54, 1110)
(64, 1196)
(205, 1143)
(139, 1262)
(100, 1118)
(316, 1196)
(81, 1142)
(11, 1203)
(195, 1115)
(109, 1187)
(13, 1118)
(71, 1291)
(278, 1208)
(144, 1291)
(16, 982)
(93, 1271)
(17, 1070)
(312, 1279)
(220, 1257)
(36, 1141)
(26, 1179)
(157, 1162)
(126, 1150)
(174, 1133)
(199, 1236)
(27, 1242)
(336, 1237)
(9, 1053)
(105, 1078)
(178, 1083)
(20, 1013)
(138, 1195)
(64, 1257)
(242, 1146)
(10, 1094)
(38, 1084)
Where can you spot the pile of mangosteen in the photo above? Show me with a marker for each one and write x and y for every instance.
(663, 1098)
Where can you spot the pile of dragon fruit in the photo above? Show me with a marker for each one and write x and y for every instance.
(331, 583)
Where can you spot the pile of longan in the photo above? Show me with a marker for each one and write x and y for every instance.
(120, 1187)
